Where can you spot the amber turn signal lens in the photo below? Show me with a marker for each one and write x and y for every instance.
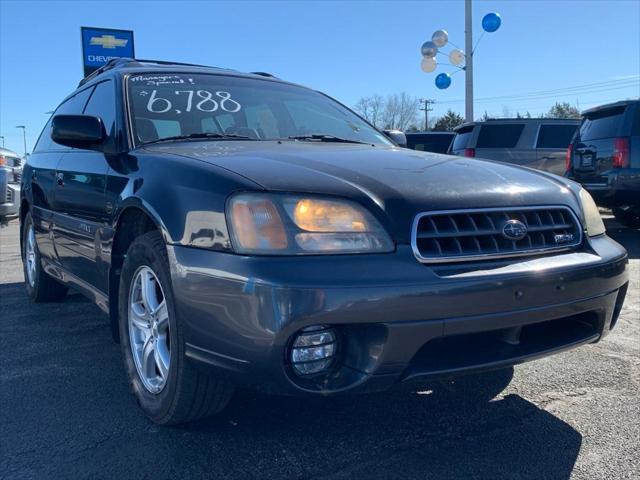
(257, 225)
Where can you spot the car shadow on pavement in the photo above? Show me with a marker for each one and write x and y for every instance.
(627, 237)
(413, 431)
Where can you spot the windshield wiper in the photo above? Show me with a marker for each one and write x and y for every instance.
(321, 137)
(191, 136)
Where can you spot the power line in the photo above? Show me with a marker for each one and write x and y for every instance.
(557, 95)
(578, 89)
(538, 110)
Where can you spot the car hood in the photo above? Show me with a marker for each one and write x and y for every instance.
(395, 183)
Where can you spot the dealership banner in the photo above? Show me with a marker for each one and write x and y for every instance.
(99, 45)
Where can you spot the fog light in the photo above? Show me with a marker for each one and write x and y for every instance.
(313, 350)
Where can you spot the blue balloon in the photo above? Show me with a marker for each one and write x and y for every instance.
(491, 22)
(443, 80)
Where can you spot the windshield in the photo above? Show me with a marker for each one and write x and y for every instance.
(170, 105)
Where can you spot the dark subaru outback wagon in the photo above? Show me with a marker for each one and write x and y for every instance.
(240, 230)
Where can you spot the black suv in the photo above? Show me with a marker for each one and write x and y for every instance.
(436, 142)
(604, 157)
(243, 230)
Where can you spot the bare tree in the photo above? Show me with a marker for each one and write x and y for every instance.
(398, 111)
(401, 110)
(371, 108)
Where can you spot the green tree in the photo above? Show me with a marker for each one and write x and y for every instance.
(563, 110)
(448, 122)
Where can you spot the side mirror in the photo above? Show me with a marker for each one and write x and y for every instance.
(78, 131)
(397, 136)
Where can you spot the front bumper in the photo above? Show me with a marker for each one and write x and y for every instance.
(396, 319)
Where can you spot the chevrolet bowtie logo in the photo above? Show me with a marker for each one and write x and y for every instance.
(109, 41)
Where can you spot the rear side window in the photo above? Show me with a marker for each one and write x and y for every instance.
(72, 106)
(605, 124)
(555, 136)
(499, 136)
(462, 138)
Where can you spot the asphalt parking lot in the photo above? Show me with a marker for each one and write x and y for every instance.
(65, 411)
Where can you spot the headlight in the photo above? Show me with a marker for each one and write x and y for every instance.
(269, 224)
(592, 220)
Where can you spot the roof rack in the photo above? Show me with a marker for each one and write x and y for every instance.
(264, 74)
(127, 62)
(113, 63)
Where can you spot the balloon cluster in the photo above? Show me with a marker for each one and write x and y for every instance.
(490, 23)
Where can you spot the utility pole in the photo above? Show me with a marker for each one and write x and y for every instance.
(468, 69)
(2, 137)
(24, 138)
(426, 109)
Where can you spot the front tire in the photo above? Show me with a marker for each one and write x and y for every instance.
(167, 387)
(39, 285)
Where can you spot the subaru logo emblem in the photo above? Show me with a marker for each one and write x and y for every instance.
(514, 230)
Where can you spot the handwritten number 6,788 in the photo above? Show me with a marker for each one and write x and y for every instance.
(205, 101)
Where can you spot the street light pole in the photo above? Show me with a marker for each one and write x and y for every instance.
(468, 70)
(2, 138)
(24, 138)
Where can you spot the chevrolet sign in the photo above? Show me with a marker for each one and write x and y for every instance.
(99, 45)
(109, 41)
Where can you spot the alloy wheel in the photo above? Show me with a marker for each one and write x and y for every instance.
(30, 256)
(149, 331)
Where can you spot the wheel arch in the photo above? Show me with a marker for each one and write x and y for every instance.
(24, 209)
(133, 220)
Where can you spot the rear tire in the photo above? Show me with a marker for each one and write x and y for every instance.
(169, 391)
(39, 285)
(629, 218)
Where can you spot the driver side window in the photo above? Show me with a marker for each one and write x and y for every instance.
(72, 106)
(102, 103)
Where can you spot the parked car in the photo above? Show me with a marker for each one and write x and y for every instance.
(241, 230)
(10, 174)
(605, 158)
(436, 142)
(539, 143)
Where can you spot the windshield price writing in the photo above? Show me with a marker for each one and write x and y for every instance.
(186, 100)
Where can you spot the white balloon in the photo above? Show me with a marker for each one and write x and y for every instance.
(456, 57)
(440, 38)
(428, 64)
